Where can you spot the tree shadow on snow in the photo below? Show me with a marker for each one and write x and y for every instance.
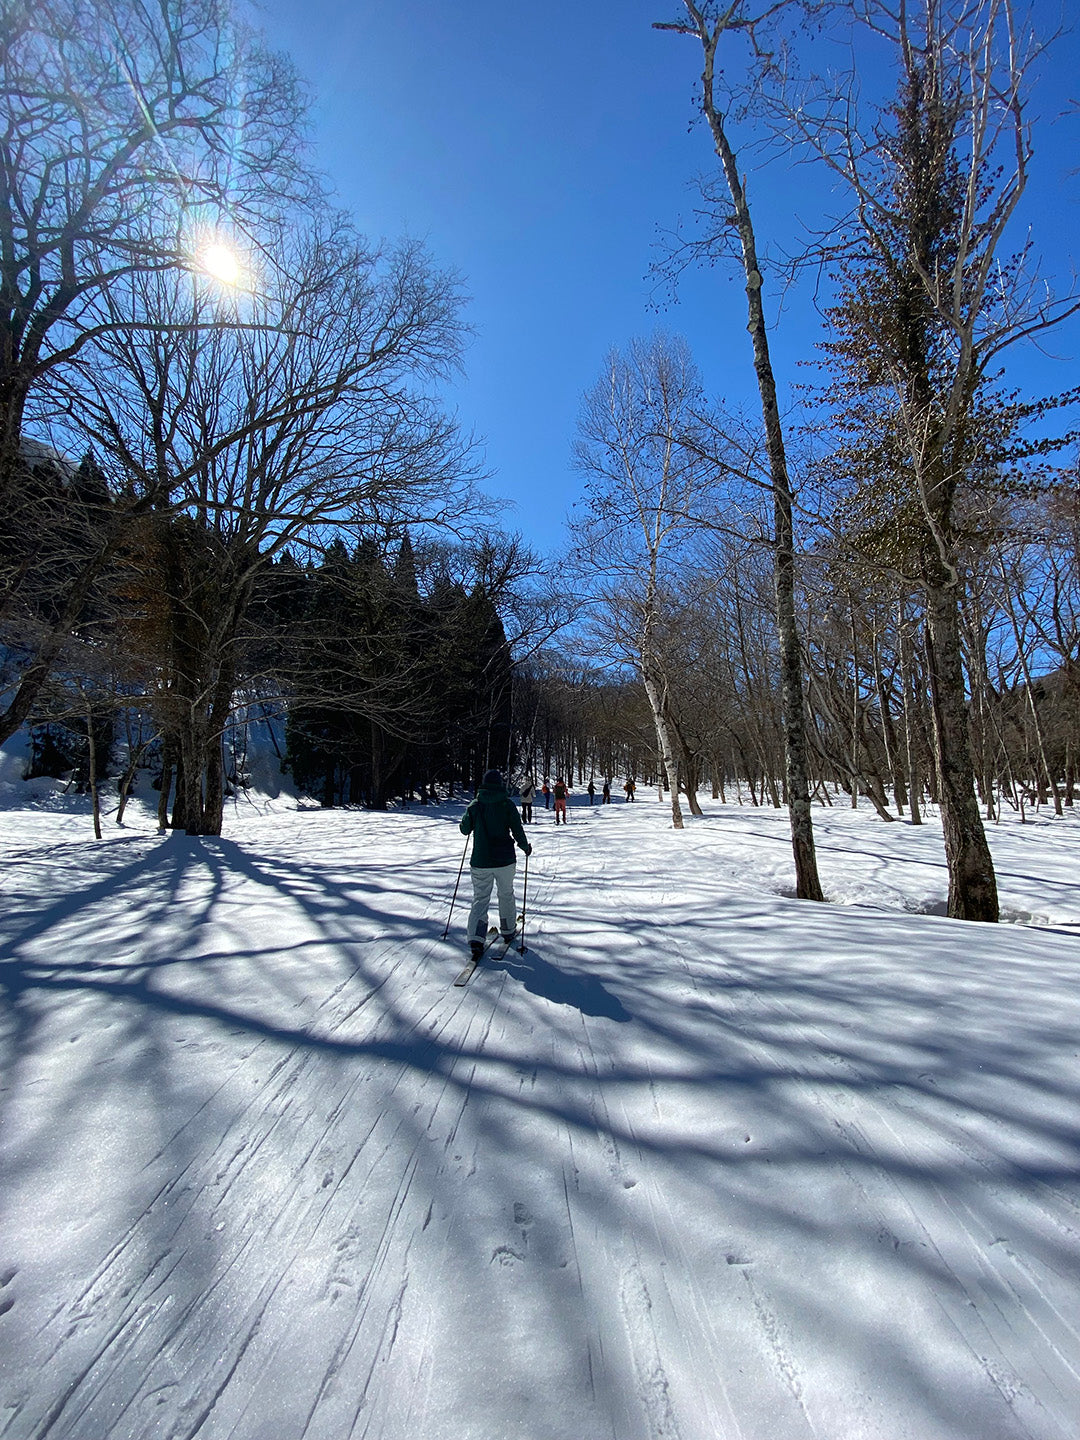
(311, 1064)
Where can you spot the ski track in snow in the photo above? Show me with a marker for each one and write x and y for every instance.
(703, 1164)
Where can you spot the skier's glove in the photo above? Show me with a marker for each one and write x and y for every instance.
(528, 849)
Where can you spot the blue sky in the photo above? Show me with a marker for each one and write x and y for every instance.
(540, 149)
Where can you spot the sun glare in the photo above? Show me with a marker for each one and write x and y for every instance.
(221, 262)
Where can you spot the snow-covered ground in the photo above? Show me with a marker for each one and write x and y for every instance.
(705, 1162)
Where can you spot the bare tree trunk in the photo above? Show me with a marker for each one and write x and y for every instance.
(807, 882)
(907, 680)
(214, 770)
(14, 391)
(128, 777)
(663, 736)
(219, 712)
(91, 743)
(860, 766)
(972, 883)
(167, 753)
(1040, 744)
(888, 731)
(188, 806)
(689, 770)
(855, 767)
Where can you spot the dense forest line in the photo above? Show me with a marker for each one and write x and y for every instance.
(389, 674)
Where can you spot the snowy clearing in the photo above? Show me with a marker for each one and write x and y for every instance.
(704, 1163)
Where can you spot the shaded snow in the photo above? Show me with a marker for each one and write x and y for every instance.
(705, 1162)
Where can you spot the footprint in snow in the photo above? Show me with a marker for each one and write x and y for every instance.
(506, 1255)
(522, 1214)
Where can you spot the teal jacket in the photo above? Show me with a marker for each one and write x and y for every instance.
(493, 821)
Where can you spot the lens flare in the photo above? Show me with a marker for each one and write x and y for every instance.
(221, 262)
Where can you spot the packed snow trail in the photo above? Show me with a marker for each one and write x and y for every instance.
(704, 1163)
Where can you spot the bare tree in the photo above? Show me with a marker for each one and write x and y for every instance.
(131, 137)
(646, 486)
(710, 23)
(115, 114)
(311, 415)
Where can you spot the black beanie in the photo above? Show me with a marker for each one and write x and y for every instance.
(493, 778)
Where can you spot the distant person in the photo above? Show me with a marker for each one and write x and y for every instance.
(560, 793)
(528, 794)
(605, 794)
(545, 790)
(493, 821)
(629, 787)
(592, 791)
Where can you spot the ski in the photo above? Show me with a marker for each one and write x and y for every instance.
(493, 938)
(467, 974)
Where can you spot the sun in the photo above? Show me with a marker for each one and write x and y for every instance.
(221, 261)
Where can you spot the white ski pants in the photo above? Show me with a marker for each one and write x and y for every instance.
(483, 877)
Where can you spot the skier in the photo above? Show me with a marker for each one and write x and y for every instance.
(629, 787)
(560, 792)
(591, 788)
(528, 793)
(493, 822)
(545, 790)
(605, 794)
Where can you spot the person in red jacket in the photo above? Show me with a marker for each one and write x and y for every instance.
(560, 793)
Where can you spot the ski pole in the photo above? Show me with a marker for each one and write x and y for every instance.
(524, 901)
(457, 882)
